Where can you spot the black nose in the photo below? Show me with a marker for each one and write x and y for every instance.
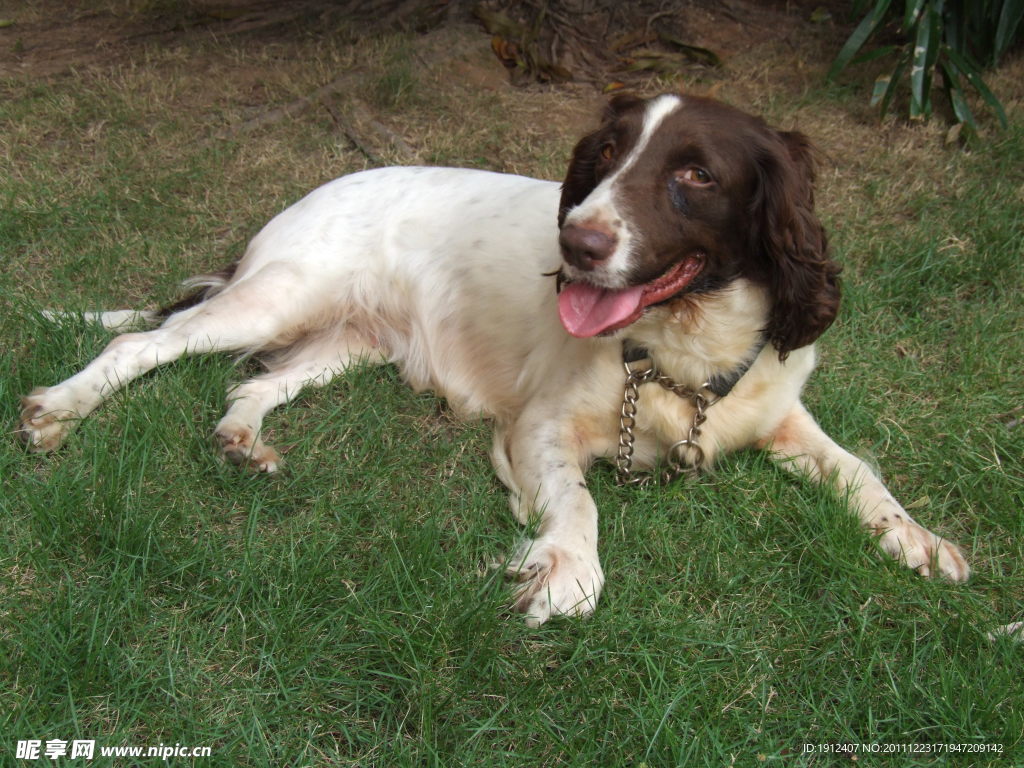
(585, 248)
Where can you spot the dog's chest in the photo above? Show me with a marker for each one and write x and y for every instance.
(662, 419)
(643, 422)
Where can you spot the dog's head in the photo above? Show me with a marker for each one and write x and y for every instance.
(680, 194)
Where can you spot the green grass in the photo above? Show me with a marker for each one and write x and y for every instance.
(347, 611)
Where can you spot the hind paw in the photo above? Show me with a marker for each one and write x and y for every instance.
(45, 421)
(241, 446)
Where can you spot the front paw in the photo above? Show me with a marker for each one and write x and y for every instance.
(920, 549)
(45, 420)
(555, 580)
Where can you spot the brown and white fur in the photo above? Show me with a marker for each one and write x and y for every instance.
(448, 274)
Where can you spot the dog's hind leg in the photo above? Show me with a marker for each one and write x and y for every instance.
(311, 364)
(235, 319)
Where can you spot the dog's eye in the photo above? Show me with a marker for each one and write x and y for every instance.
(607, 151)
(695, 175)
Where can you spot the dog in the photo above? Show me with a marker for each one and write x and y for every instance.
(682, 250)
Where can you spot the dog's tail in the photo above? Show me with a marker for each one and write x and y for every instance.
(200, 287)
(113, 320)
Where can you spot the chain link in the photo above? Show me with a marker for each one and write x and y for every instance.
(683, 456)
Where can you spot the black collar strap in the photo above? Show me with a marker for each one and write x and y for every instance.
(720, 384)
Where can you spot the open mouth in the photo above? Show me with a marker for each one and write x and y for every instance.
(588, 310)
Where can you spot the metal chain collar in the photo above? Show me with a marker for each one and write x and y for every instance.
(683, 456)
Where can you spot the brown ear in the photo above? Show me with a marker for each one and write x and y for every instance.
(581, 177)
(803, 279)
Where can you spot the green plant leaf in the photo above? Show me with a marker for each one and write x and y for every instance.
(890, 89)
(952, 39)
(955, 94)
(935, 35)
(871, 55)
(974, 78)
(912, 10)
(1009, 20)
(858, 38)
(920, 71)
(880, 88)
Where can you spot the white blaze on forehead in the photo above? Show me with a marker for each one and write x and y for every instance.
(600, 205)
(657, 110)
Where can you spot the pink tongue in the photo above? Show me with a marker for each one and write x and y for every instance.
(587, 310)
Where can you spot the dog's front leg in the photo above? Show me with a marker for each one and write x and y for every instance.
(798, 443)
(542, 460)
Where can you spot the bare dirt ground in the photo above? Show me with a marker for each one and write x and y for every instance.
(42, 37)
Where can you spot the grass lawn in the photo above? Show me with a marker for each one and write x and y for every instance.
(347, 610)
